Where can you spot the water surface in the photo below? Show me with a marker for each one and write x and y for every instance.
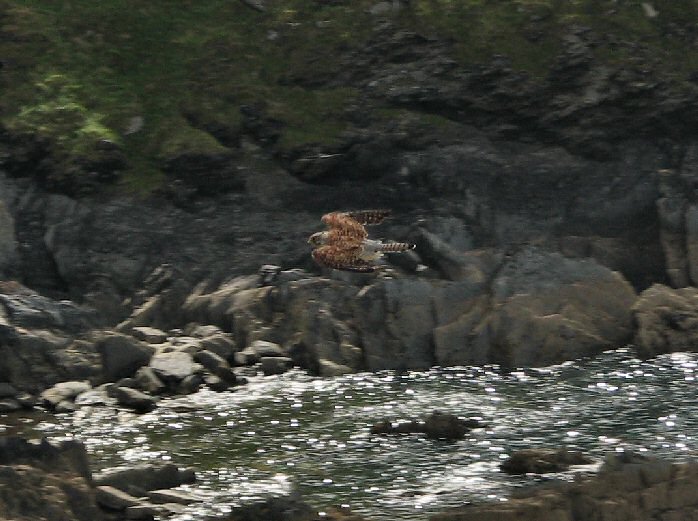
(314, 432)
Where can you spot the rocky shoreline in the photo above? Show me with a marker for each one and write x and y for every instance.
(53, 480)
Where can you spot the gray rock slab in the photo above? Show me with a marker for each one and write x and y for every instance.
(113, 498)
(172, 496)
(151, 335)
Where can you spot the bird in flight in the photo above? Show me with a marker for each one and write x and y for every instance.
(345, 244)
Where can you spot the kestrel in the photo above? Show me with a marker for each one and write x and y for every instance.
(346, 246)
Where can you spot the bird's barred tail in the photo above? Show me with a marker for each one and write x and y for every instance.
(369, 216)
(396, 246)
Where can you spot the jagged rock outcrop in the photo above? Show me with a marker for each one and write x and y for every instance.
(531, 308)
(46, 480)
(42, 340)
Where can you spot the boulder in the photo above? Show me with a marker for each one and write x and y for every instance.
(215, 364)
(173, 366)
(63, 391)
(666, 320)
(542, 308)
(122, 355)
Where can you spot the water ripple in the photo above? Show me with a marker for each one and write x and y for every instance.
(314, 433)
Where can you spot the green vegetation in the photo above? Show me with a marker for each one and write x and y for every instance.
(79, 71)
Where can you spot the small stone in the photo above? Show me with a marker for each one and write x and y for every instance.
(150, 335)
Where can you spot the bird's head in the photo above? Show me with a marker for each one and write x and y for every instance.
(318, 239)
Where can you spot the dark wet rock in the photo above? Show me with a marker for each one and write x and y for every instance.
(542, 461)
(144, 477)
(146, 380)
(65, 455)
(666, 320)
(216, 365)
(113, 498)
(122, 355)
(62, 392)
(143, 512)
(151, 335)
(8, 242)
(437, 425)
(190, 384)
(215, 383)
(275, 364)
(173, 366)
(132, 398)
(7, 390)
(284, 508)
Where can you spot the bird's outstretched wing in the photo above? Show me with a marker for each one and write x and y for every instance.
(369, 216)
(344, 224)
(345, 259)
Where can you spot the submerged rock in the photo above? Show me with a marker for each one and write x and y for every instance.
(437, 425)
(541, 461)
(138, 479)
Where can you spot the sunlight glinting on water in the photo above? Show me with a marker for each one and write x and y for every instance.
(293, 430)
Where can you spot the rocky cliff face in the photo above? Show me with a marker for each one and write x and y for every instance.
(532, 197)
